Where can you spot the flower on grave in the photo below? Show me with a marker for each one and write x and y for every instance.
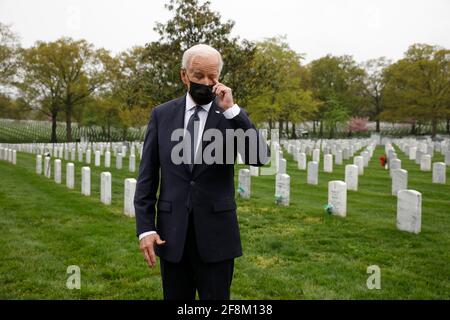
(240, 190)
(278, 199)
(328, 208)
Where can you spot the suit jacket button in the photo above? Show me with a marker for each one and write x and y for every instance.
(192, 183)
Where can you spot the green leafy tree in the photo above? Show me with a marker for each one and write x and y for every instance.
(337, 79)
(9, 46)
(193, 23)
(336, 114)
(417, 87)
(38, 85)
(282, 94)
(374, 87)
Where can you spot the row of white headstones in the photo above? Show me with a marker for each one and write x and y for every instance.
(105, 182)
(337, 190)
(83, 152)
(409, 202)
(9, 155)
(409, 205)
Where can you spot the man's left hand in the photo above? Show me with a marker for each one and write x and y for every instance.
(225, 95)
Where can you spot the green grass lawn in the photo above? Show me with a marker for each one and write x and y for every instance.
(295, 252)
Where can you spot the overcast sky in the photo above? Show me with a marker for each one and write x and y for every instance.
(364, 29)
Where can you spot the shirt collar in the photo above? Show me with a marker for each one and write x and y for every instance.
(191, 104)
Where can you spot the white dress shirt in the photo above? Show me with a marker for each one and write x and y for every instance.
(189, 111)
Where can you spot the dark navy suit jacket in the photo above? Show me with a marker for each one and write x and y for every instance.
(208, 190)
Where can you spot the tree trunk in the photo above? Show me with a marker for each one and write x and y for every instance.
(53, 137)
(321, 129)
(378, 125)
(314, 126)
(433, 128)
(448, 125)
(293, 135)
(124, 133)
(109, 132)
(413, 128)
(280, 126)
(68, 122)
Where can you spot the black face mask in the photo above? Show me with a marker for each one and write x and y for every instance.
(201, 93)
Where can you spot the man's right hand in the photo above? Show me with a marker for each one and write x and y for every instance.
(147, 247)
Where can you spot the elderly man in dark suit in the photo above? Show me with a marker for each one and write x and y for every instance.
(194, 227)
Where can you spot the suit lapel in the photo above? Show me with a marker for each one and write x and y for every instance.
(178, 112)
(212, 121)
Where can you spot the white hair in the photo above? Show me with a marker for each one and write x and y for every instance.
(200, 49)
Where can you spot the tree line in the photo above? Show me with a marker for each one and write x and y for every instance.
(72, 81)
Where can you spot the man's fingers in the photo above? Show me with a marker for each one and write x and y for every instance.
(216, 84)
(147, 248)
(218, 88)
(159, 241)
(147, 257)
(151, 253)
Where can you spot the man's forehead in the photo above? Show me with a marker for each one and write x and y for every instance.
(203, 63)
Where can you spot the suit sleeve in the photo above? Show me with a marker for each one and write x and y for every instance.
(260, 150)
(148, 179)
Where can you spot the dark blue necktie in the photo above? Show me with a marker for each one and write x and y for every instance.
(193, 128)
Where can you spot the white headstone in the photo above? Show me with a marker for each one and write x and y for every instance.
(301, 161)
(244, 183)
(439, 172)
(425, 162)
(337, 197)
(130, 188)
(316, 155)
(119, 161)
(70, 175)
(97, 158)
(88, 156)
(399, 180)
(418, 156)
(282, 189)
(328, 163)
(132, 163)
(447, 158)
(366, 157)
(86, 181)
(105, 187)
(57, 163)
(14, 155)
(409, 211)
(351, 177)
(47, 167)
(107, 159)
(395, 164)
(338, 159)
(38, 164)
(359, 161)
(412, 153)
(313, 172)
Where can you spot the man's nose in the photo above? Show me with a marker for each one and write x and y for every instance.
(207, 81)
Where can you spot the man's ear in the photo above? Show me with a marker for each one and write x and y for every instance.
(183, 76)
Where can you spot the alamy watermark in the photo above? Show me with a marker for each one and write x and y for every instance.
(374, 280)
(221, 149)
(74, 280)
